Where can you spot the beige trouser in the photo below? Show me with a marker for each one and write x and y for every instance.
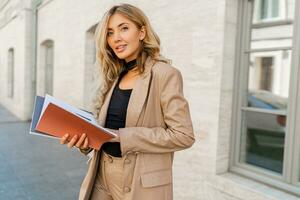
(109, 180)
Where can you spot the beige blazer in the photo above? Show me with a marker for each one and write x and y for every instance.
(158, 123)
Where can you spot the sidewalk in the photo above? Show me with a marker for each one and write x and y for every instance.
(34, 167)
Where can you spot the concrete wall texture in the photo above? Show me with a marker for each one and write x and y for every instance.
(200, 38)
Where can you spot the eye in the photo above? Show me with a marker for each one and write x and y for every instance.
(109, 33)
(125, 28)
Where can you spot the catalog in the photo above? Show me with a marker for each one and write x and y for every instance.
(54, 118)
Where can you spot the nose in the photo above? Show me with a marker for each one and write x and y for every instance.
(116, 37)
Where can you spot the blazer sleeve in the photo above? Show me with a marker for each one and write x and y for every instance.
(179, 133)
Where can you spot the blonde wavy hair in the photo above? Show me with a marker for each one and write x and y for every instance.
(109, 64)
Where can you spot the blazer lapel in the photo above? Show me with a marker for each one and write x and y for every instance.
(103, 111)
(139, 95)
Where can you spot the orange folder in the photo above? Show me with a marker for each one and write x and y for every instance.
(56, 121)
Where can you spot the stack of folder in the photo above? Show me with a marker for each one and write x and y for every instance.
(54, 118)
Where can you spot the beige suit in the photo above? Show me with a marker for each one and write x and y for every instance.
(157, 124)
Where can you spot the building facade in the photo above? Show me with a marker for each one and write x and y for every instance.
(16, 62)
(240, 64)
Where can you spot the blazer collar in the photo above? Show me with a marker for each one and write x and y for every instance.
(137, 99)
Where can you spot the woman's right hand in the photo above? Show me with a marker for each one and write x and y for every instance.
(81, 143)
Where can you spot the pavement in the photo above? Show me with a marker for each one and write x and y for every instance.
(34, 167)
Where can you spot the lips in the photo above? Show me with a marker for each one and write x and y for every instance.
(120, 48)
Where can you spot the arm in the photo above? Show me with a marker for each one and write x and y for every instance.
(179, 132)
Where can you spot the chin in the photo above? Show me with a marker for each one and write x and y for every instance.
(122, 56)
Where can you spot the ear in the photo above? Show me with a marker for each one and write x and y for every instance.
(142, 33)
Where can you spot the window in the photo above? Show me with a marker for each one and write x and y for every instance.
(264, 112)
(10, 73)
(47, 66)
(49, 69)
(269, 10)
(90, 71)
(267, 99)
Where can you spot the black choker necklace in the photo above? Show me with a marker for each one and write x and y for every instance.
(130, 65)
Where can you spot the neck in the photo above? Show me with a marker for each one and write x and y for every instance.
(130, 65)
(127, 61)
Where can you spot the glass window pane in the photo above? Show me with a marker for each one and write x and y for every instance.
(262, 141)
(49, 69)
(275, 8)
(264, 9)
(10, 74)
(268, 80)
(268, 9)
(273, 35)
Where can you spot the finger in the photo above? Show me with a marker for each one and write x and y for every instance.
(86, 143)
(81, 139)
(64, 139)
(73, 141)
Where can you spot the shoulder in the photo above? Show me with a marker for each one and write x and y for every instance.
(163, 69)
(166, 77)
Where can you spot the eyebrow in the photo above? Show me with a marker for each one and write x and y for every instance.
(119, 25)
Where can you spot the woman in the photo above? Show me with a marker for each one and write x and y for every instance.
(141, 99)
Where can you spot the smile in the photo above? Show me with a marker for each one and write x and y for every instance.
(121, 48)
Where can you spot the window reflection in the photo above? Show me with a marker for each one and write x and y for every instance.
(263, 139)
(268, 82)
(269, 10)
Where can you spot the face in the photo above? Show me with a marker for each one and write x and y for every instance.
(124, 37)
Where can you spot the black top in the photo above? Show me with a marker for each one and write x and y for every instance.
(117, 110)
